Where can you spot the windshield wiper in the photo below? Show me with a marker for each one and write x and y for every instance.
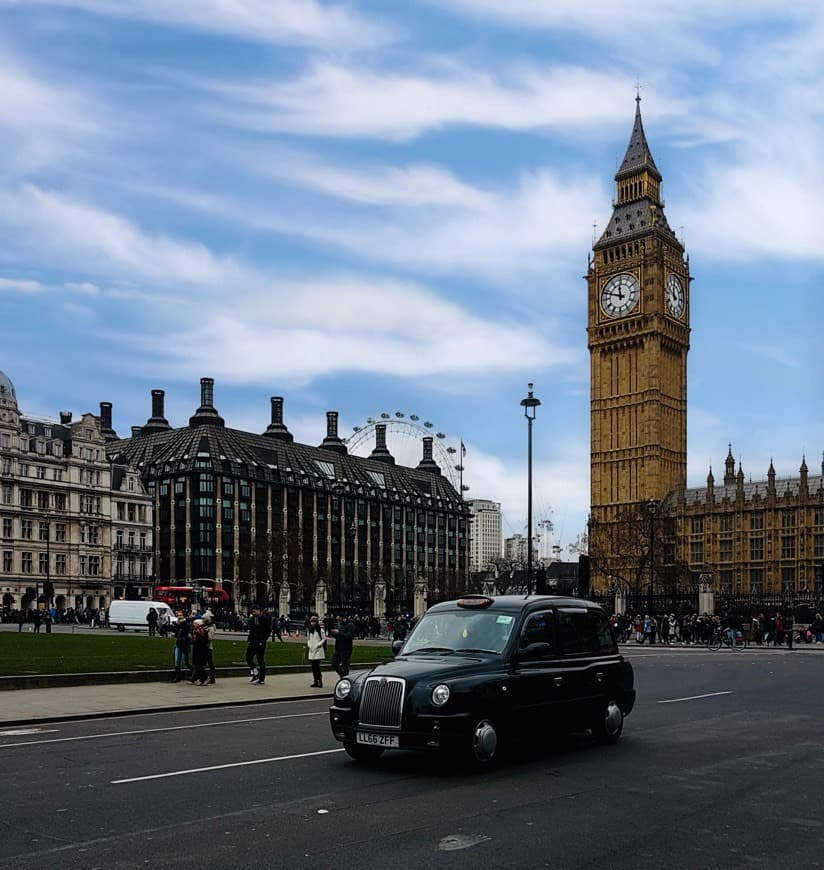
(469, 649)
(430, 649)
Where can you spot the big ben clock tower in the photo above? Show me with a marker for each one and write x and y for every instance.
(638, 335)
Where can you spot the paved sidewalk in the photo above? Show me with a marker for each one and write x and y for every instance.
(24, 706)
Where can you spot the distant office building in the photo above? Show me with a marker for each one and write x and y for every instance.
(515, 550)
(484, 533)
(271, 520)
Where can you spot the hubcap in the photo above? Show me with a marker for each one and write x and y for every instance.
(484, 740)
(613, 717)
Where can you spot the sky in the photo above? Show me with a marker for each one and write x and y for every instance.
(386, 207)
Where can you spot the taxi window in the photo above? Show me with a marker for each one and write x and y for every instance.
(584, 631)
(539, 628)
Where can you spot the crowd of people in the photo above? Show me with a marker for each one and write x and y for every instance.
(763, 629)
(45, 618)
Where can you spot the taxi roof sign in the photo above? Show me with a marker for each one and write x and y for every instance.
(475, 601)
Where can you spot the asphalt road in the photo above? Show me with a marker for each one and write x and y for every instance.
(720, 765)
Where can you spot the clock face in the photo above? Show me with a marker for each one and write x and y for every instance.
(674, 296)
(620, 295)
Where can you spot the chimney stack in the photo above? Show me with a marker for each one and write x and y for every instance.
(381, 452)
(276, 429)
(206, 414)
(106, 422)
(428, 463)
(65, 418)
(137, 431)
(157, 422)
(332, 441)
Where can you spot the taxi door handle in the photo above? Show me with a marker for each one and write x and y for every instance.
(559, 681)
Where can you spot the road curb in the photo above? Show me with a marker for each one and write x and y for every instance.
(143, 711)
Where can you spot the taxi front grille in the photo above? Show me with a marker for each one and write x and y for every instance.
(382, 702)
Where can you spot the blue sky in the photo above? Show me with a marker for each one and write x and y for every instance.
(387, 206)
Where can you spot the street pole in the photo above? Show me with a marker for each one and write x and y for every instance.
(652, 507)
(530, 405)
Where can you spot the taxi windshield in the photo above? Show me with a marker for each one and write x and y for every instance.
(459, 632)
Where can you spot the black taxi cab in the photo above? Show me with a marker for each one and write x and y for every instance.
(480, 671)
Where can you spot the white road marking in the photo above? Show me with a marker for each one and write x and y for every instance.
(225, 766)
(695, 697)
(21, 732)
(159, 730)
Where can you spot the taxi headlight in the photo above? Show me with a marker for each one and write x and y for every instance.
(440, 695)
(342, 690)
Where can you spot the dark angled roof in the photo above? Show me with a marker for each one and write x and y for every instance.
(638, 155)
(752, 490)
(239, 454)
(634, 217)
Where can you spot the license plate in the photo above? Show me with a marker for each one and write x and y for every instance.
(388, 740)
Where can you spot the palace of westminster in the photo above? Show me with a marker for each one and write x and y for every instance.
(86, 516)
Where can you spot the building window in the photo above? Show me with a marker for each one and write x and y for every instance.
(7, 528)
(94, 566)
(5, 466)
(26, 498)
(26, 530)
(7, 495)
(24, 469)
(94, 534)
(818, 547)
(60, 533)
(130, 513)
(119, 538)
(26, 563)
(756, 521)
(43, 501)
(725, 550)
(788, 547)
(121, 511)
(696, 552)
(82, 566)
(788, 519)
(41, 472)
(43, 563)
(58, 474)
(819, 517)
(725, 523)
(756, 580)
(43, 531)
(4, 440)
(59, 501)
(756, 548)
(787, 580)
(60, 563)
(7, 561)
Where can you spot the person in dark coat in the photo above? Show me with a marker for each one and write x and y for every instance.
(259, 628)
(183, 641)
(200, 652)
(344, 635)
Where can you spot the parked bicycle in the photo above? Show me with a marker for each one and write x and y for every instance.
(728, 637)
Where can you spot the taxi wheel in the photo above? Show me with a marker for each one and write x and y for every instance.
(608, 726)
(365, 754)
(483, 745)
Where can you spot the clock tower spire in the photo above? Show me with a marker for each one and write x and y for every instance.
(638, 336)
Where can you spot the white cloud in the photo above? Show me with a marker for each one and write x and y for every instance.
(303, 330)
(282, 22)
(86, 288)
(15, 285)
(84, 236)
(336, 100)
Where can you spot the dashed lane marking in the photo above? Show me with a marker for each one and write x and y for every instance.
(224, 766)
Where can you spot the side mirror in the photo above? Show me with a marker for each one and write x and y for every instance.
(396, 646)
(535, 651)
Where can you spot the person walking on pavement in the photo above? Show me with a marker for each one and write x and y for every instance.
(344, 635)
(183, 640)
(200, 648)
(210, 649)
(315, 649)
(151, 620)
(259, 628)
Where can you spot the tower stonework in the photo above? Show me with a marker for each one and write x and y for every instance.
(638, 336)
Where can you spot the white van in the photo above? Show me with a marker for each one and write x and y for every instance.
(132, 614)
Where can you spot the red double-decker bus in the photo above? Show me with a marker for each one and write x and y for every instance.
(188, 597)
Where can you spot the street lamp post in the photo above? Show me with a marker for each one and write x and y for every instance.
(530, 405)
(652, 508)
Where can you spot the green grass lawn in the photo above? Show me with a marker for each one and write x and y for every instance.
(27, 653)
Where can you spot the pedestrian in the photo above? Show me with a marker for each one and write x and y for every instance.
(344, 635)
(208, 622)
(163, 622)
(47, 620)
(200, 647)
(276, 629)
(151, 620)
(789, 628)
(21, 618)
(315, 649)
(38, 619)
(183, 641)
(256, 646)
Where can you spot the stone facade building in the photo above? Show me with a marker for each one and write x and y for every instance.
(647, 530)
(55, 508)
(268, 519)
